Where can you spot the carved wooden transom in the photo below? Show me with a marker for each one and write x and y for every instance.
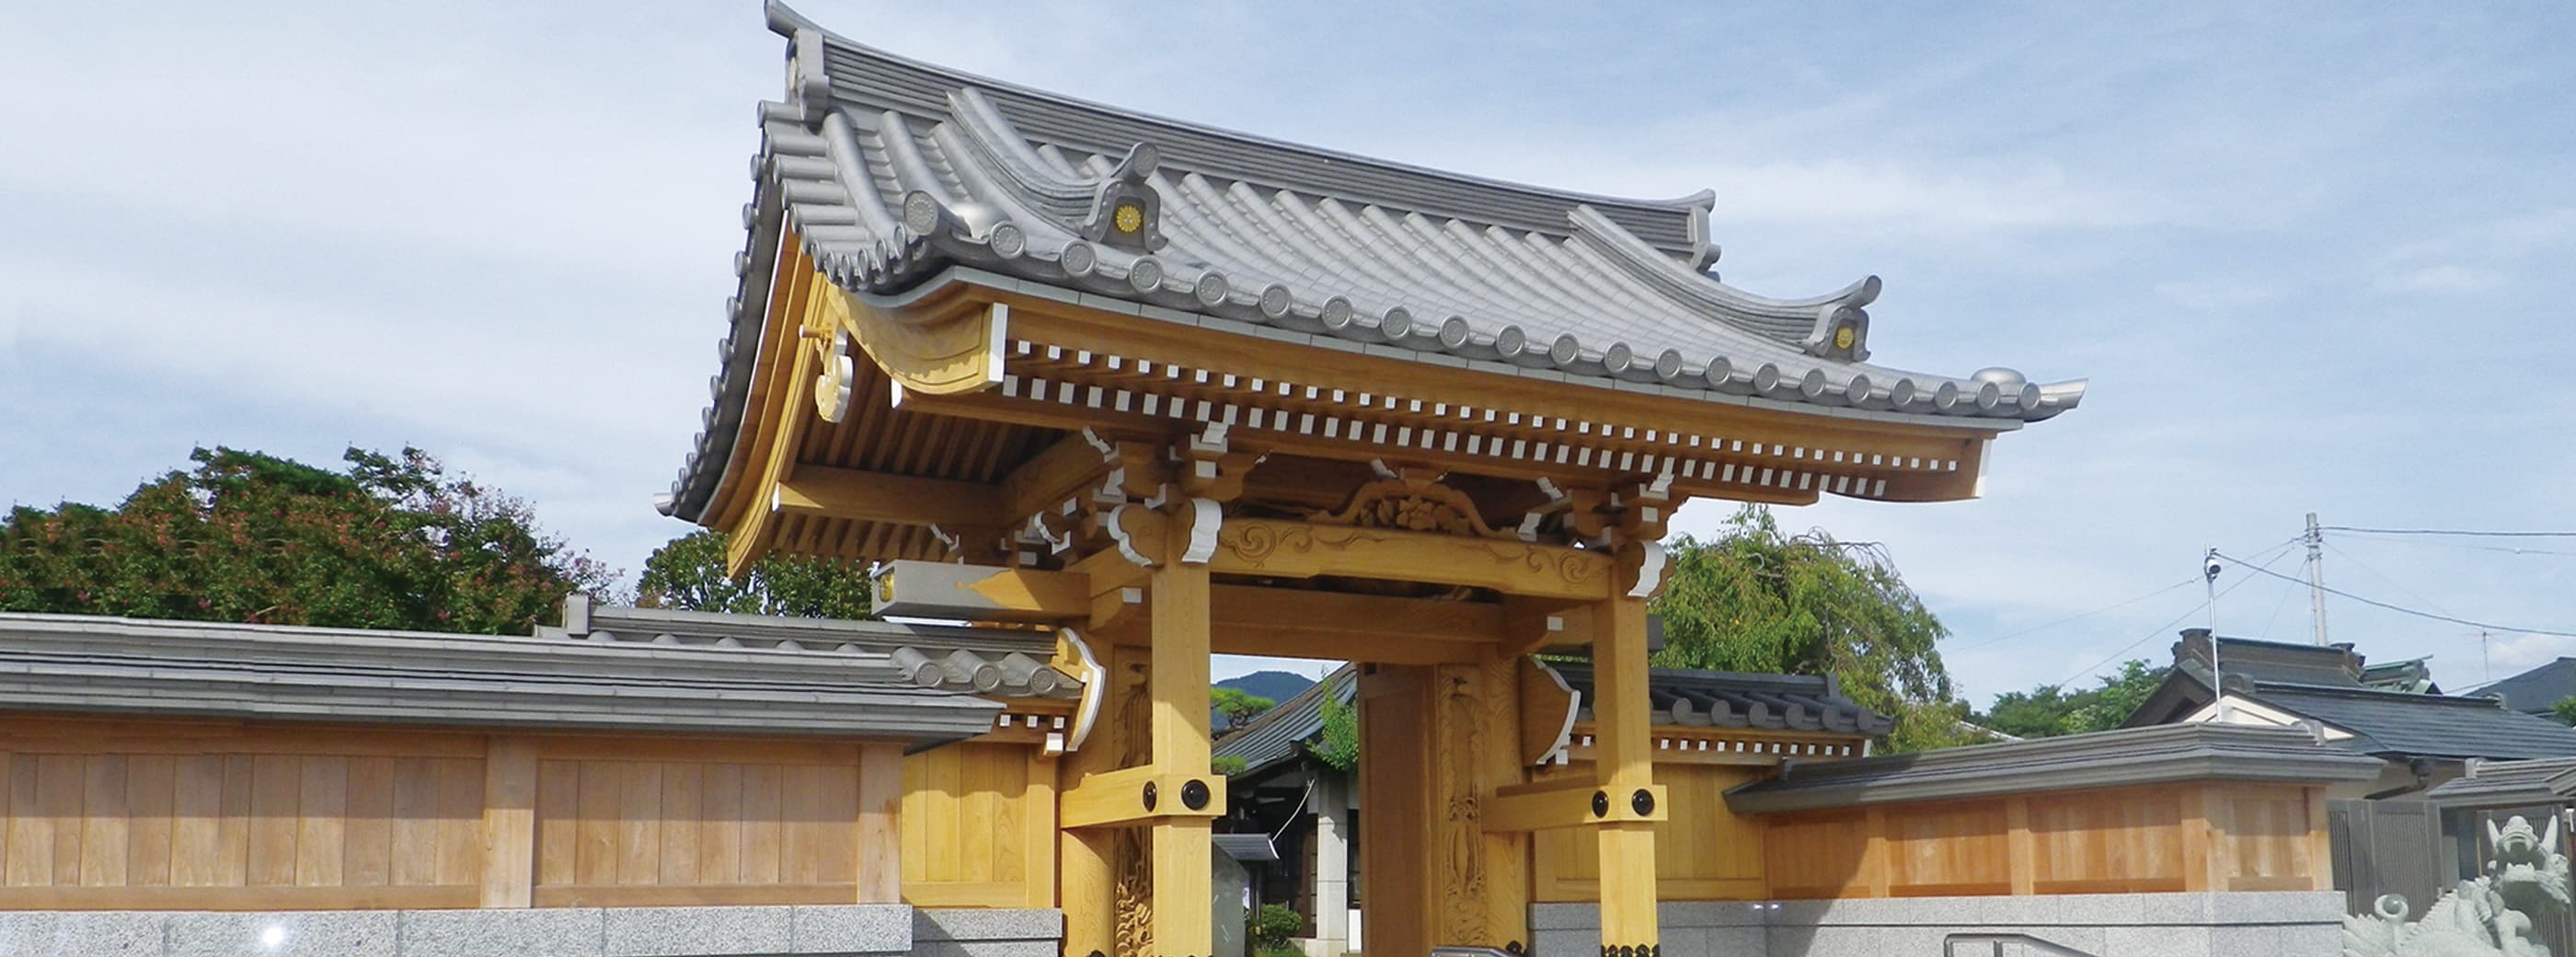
(1411, 503)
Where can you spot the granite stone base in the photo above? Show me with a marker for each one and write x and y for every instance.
(856, 930)
(2269, 924)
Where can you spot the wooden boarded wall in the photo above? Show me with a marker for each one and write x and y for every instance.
(1704, 852)
(145, 815)
(978, 828)
(212, 815)
(2235, 837)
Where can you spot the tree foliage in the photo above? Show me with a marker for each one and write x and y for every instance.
(1238, 706)
(1757, 599)
(689, 574)
(1339, 743)
(2564, 710)
(389, 542)
(2049, 710)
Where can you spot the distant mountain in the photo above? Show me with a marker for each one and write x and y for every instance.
(1274, 685)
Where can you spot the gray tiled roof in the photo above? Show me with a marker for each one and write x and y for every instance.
(1729, 699)
(901, 175)
(98, 665)
(2534, 691)
(2395, 723)
(2506, 783)
(2168, 753)
(1680, 697)
(1002, 662)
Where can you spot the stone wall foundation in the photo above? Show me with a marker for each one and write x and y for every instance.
(2268, 924)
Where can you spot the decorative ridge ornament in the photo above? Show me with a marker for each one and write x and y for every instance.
(1128, 213)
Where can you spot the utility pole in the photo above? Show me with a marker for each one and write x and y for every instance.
(2209, 569)
(2317, 577)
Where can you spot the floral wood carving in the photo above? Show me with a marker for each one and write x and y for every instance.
(1413, 505)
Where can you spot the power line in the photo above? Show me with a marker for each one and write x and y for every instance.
(2073, 617)
(2444, 531)
(2401, 609)
(2392, 583)
(2464, 546)
(2280, 551)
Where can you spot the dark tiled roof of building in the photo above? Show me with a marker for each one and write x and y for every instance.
(2131, 756)
(1002, 662)
(1728, 699)
(901, 176)
(1680, 698)
(96, 665)
(2533, 691)
(2396, 724)
(2508, 783)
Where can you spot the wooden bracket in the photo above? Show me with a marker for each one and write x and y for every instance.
(1140, 795)
(1642, 569)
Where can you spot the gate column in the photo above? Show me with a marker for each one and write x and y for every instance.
(1624, 748)
(1178, 683)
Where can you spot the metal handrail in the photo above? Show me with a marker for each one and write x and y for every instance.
(1994, 946)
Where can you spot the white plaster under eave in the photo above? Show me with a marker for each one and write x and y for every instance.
(2229, 709)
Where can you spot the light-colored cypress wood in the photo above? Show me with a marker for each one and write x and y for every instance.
(1624, 751)
(368, 838)
(322, 808)
(509, 824)
(197, 821)
(277, 786)
(1179, 728)
(879, 833)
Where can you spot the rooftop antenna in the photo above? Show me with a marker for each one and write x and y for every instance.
(2317, 577)
(2209, 569)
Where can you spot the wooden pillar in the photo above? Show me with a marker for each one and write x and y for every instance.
(1398, 872)
(1087, 862)
(1183, 900)
(1624, 745)
(509, 822)
(880, 833)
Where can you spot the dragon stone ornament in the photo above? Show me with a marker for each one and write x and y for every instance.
(2491, 916)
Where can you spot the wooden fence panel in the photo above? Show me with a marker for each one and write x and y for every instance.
(2386, 847)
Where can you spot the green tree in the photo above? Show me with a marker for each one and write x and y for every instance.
(2048, 710)
(689, 574)
(389, 542)
(1238, 706)
(1339, 743)
(2052, 710)
(1757, 599)
(2564, 710)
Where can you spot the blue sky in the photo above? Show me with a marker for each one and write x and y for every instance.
(2310, 255)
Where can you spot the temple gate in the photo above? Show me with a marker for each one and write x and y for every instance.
(1175, 391)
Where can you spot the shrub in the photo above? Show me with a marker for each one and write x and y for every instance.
(1270, 927)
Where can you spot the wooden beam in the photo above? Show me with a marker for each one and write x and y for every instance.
(980, 592)
(1276, 548)
(824, 492)
(880, 834)
(1073, 463)
(1566, 802)
(1371, 616)
(509, 822)
(1113, 798)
